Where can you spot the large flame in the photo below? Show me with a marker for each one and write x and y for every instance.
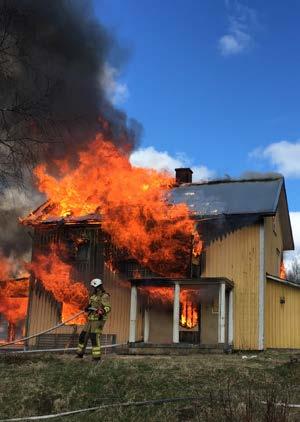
(56, 277)
(132, 203)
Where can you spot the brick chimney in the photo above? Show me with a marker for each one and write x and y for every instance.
(183, 175)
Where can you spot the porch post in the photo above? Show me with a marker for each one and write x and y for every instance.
(176, 312)
(133, 306)
(230, 318)
(146, 325)
(221, 322)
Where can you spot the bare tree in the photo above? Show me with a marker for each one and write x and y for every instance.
(53, 56)
(293, 273)
(26, 124)
(25, 118)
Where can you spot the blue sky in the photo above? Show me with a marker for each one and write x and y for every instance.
(214, 83)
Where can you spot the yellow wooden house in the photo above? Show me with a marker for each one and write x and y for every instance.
(234, 297)
(249, 225)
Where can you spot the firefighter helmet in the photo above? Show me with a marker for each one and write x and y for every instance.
(96, 282)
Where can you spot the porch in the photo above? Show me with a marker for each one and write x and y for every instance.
(181, 315)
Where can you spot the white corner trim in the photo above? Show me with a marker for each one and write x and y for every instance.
(133, 308)
(261, 288)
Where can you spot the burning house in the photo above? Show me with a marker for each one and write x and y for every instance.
(184, 263)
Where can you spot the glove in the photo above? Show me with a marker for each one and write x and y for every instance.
(100, 312)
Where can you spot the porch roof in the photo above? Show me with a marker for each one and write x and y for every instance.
(169, 282)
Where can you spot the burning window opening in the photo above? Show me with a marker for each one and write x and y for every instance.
(189, 314)
(189, 308)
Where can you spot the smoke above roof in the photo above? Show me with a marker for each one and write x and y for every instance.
(53, 67)
(59, 55)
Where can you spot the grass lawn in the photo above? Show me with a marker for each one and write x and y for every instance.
(227, 387)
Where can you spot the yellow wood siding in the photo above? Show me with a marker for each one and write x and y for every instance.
(236, 257)
(118, 320)
(273, 245)
(43, 311)
(282, 320)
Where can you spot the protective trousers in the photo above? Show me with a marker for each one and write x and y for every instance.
(92, 330)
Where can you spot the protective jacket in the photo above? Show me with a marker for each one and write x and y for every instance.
(99, 301)
(98, 310)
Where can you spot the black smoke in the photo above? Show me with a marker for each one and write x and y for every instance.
(53, 55)
(59, 52)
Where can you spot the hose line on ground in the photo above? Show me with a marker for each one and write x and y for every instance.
(103, 406)
(42, 332)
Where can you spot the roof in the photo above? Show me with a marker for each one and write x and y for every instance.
(283, 281)
(44, 215)
(234, 203)
(169, 282)
(229, 197)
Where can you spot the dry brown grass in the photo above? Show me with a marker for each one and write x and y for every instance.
(228, 387)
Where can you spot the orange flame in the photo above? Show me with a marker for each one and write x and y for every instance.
(188, 300)
(189, 311)
(5, 268)
(13, 294)
(132, 202)
(161, 295)
(14, 309)
(282, 272)
(56, 277)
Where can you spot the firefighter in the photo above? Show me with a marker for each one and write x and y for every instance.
(98, 310)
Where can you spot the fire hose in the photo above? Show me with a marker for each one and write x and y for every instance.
(48, 331)
(124, 404)
(105, 406)
(42, 332)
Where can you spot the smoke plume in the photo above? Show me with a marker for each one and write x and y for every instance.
(53, 59)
